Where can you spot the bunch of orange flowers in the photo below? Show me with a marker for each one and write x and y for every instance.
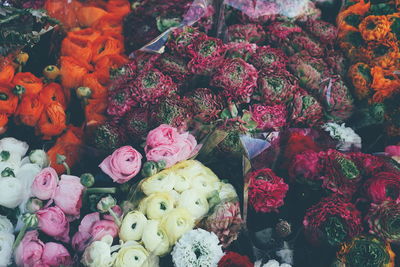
(370, 33)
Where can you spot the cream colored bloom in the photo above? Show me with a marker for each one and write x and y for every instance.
(132, 254)
(6, 225)
(11, 192)
(157, 205)
(132, 226)
(155, 238)
(163, 181)
(6, 244)
(98, 254)
(227, 192)
(176, 223)
(195, 202)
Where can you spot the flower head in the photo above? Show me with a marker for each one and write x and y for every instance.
(383, 220)
(233, 259)
(269, 117)
(268, 57)
(252, 33)
(109, 137)
(306, 110)
(383, 186)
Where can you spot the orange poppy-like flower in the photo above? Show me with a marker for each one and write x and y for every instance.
(3, 123)
(384, 83)
(78, 48)
(52, 122)
(349, 18)
(385, 55)
(29, 110)
(95, 110)
(86, 34)
(375, 28)
(110, 23)
(67, 145)
(106, 45)
(8, 101)
(7, 74)
(64, 11)
(89, 15)
(108, 63)
(72, 72)
(32, 84)
(98, 89)
(53, 93)
(360, 75)
(118, 7)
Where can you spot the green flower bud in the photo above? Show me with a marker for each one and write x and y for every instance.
(18, 90)
(149, 168)
(30, 220)
(83, 92)
(87, 179)
(39, 157)
(33, 205)
(106, 203)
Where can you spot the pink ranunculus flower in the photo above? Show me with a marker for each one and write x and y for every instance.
(55, 255)
(53, 222)
(102, 228)
(29, 251)
(117, 210)
(393, 152)
(162, 135)
(68, 195)
(83, 237)
(123, 164)
(45, 184)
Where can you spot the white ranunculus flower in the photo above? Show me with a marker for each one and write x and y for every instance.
(6, 244)
(195, 202)
(98, 254)
(155, 238)
(163, 181)
(132, 226)
(11, 192)
(157, 205)
(14, 146)
(272, 263)
(39, 157)
(182, 183)
(345, 135)
(205, 183)
(227, 192)
(132, 254)
(26, 175)
(176, 223)
(5, 225)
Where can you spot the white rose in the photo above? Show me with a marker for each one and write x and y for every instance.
(132, 226)
(11, 192)
(14, 146)
(227, 192)
(39, 157)
(132, 254)
(163, 181)
(195, 202)
(5, 225)
(26, 175)
(98, 254)
(6, 244)
(155, 238)
(157, 205)
(176, 223)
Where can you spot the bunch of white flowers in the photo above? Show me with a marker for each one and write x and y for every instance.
(345, 135)
(6, 241)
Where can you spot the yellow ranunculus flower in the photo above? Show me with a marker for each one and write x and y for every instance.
(163, 181)
(132, 226)
(176, 223)
(157, 205)
(155, 238)
(195, 202)
(132, 254)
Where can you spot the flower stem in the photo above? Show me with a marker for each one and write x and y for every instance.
(67, 168)
(115, 216)
(20, 236)
(109, 190)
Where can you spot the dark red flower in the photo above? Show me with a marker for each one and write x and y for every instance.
(369, 164)
(252, 33)
(266, 190)
(269, 117)
(174, 66)
(233, 259)
(137, 124)
(324, 31)
(298, 143)
(306, 110)
(182, 38)
(278, 31)
(306, 167)
(383, 186)
(243, 50)
(268, 57)
(205, 104)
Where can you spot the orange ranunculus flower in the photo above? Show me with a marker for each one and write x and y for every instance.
(52, 122)
(107, 63)
(32, 84)
(7, 73)
(89, 15)
(78, 48)
(86, 34)
(8, 101)
(375, 28)
(64, 11)
(351, 15)
(106, 45)
(53, 93)
(385, 55)
(384, 83)
(99, 90)
(95, 110)
(361, 78)
(67, 145)
(29, 110)
(110, 23)
(72, 72)
(3, 123)
(118, 7)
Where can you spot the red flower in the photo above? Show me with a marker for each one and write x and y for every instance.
(298, 143)
(383, 186)
(266, 190)
(233, 259)
(268, 57)
(369, 164)
(306, 167)
(251, 33)
(269, 117)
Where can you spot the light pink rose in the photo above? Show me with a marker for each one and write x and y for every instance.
(88, 221)
(45, 184)
(55, 254)
(83, 237)
(162, 135)
(123, 164)
(29, 251)
(170, 154)
(393, 151)
(53, 222)
(117, 210)
(103, 228)
(68, 195)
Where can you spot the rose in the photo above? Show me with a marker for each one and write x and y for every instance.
(56, 255)
(161, 182)
(162, 135)
(132, 226)
(52, 221)
(29, 251)
(155, 238)
(157, 205)
(176, 223)
(98, 254)
(11, 192)
(195, 202)
(233, 259)
(6, 245)
(123, 164)
(102, 228)
(45, 184)
(82, 238)
(5, 225)
(133, 254)
(68, 195)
